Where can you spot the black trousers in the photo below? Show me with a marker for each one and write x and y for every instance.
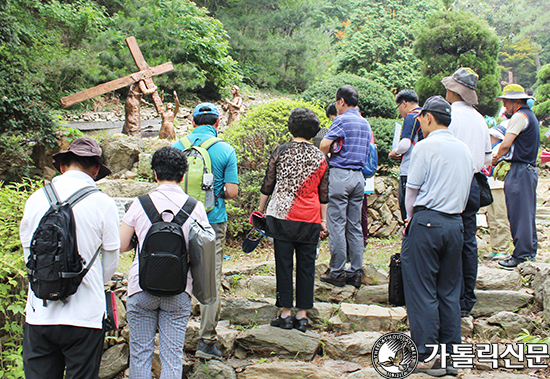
(469, 249)
(305, 273)
(401, 195)
(50, 349)
(431, 259)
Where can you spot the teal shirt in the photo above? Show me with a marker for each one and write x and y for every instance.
(224, 167)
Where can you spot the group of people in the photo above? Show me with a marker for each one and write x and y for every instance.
(442, 189)
(307, 193)
(65, 338)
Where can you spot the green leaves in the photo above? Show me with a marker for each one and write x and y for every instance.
(457, 39)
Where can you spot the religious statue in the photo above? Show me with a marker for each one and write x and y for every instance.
(167, 128)
(132, 124)
(233, 105)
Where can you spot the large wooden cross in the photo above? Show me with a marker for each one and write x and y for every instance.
(145, 73)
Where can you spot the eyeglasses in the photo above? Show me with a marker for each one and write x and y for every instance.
(399, 104)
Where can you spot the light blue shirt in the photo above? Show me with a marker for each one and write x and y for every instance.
(442, 170)
(224, 167)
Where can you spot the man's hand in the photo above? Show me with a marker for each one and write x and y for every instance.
(393, 155)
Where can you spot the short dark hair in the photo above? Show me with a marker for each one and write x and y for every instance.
(529, 91)
(331, 110)
(407, 95)
(349, 94)
(440, 118)
(82, 162)
(205, 119)
(304, 123)
(169, 163)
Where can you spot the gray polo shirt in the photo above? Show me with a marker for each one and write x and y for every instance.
(441, 169)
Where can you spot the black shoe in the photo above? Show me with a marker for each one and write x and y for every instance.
(355, 279)
(464, 313)
(301, 324)
(338, 281)
(283, 322)
(509, 264)
(450, 369)
(208, 351)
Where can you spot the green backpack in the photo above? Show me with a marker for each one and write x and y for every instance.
(198, 181)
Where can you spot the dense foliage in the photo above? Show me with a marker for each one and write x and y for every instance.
(454, 39)
(383, 130)
(374, 100)
(13, 288)
(278, 44)
(377, 41)
(542, 94)
(254, 139)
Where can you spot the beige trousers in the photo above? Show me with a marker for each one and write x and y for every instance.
(499, 228)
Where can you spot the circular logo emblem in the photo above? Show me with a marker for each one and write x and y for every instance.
(394, 355)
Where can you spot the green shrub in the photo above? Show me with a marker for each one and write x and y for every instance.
(13, 287)
(374, 100)
(544, 141)
(254, 139)
(383, 130)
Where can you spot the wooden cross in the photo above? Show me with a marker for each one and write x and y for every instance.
(145, 73)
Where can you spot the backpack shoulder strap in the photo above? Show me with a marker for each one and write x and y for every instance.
(149, 208)
(207, 144)
(51, 194)
(185, 211)
(186, 142)
(80, 194)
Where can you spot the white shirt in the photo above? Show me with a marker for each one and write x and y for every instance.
(137, 218)
(96, 220)
(442, 170)
(469, 126)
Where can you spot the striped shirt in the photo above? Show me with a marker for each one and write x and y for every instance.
(356, 133)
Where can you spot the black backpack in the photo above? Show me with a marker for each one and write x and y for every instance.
(55, 267)
(163, 256)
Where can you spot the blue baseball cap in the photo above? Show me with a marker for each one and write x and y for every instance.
(206, 108)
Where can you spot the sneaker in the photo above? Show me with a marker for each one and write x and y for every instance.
(335, 280)
(450, 369)
(355, 279)
(208, 351)
(432, 368)
(283, 322)
(509, 264)
(501, 257)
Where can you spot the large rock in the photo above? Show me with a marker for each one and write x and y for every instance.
(212, 369)
(114, 361)
(372, 294)
(242, 311)
(125, 188)
(349, 346)
(467, 326)
(144, 165)
(252, 269)
(287, 370)
(540, 284)
(512, 323)
(359, 317)
(491, 302)
(484, 330)
(328, 293)
(270, 341)
(264, 286)
(374, 276)
(121, 152)
(121, 312)
(497, 279)
(320, 314)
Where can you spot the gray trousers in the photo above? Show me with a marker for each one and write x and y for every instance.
(210, 314)
(345, 199)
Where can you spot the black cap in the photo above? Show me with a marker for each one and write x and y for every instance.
(437, 104)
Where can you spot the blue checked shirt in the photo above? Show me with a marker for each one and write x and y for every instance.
(356, 133)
